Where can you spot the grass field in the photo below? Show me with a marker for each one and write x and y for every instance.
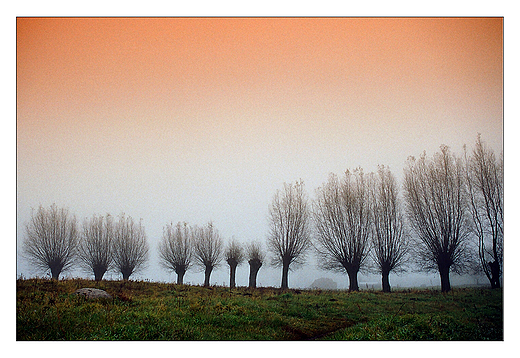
(141, 310)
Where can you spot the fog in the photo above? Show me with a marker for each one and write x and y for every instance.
(200, 120)
(301, 277)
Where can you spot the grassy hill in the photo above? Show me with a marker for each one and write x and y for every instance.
(141, 310)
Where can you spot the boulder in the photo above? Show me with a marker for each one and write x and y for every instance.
(324, 283)
(92, 293)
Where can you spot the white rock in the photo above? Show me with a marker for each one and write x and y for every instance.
(324, 283)
(92, 293)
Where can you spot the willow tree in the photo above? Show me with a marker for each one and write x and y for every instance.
(207, 249)
(289, 234)
(485, 178)
(176, 249)
(436, 206)
(51, 240)
(95, 249)
(255, 257)
(129, 246)
(342, 216)
(389, 237)
(234, 255)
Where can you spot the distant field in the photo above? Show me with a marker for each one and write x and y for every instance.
(140, 310)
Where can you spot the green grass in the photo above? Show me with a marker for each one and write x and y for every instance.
(47, 310)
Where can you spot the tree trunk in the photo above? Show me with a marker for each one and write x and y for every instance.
(285, 275)
(126, 273)
(253, 272)
(385, 281)
(56, 267)
(495, 274)
(352, 277)
(98, 274)
(180, 276)
(232, 274)
(55, 272)
(207, 274)
(444, 271)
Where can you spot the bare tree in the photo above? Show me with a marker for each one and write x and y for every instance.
(130, 247)
(389, 239)
(234, 255)
(436, 206)
(342, 216)
(95, 249)
(176, 249)
(255, 257)
(207, 245)
(485, 179)
(51, 240)
(289, 236)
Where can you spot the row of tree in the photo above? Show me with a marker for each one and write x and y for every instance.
(54, 243)
(450, 218)
(183, 245)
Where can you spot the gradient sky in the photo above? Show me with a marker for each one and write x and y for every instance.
(186, 119)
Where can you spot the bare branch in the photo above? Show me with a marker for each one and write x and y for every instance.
(485, 180)
(95, 249)
(389, 239)
(207, 246)
(289, 236)
(51, 240)
(176, 249)
(342, 216)
(255, 256)
(130, 247)
(234, 255)
(436, 206)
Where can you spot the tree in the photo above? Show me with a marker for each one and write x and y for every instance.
(255, 257)
(234, 255)
(176, 249)
(130, 247)
(436, 207)
(342, 217)
(289, 235)
(389, 239)
(95, 249)
(485, 179)
(207, 248)
(51, 240)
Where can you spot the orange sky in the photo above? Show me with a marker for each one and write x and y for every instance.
(204, 118)
(104, 62)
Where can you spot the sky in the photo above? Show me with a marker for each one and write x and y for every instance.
(203, 119)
